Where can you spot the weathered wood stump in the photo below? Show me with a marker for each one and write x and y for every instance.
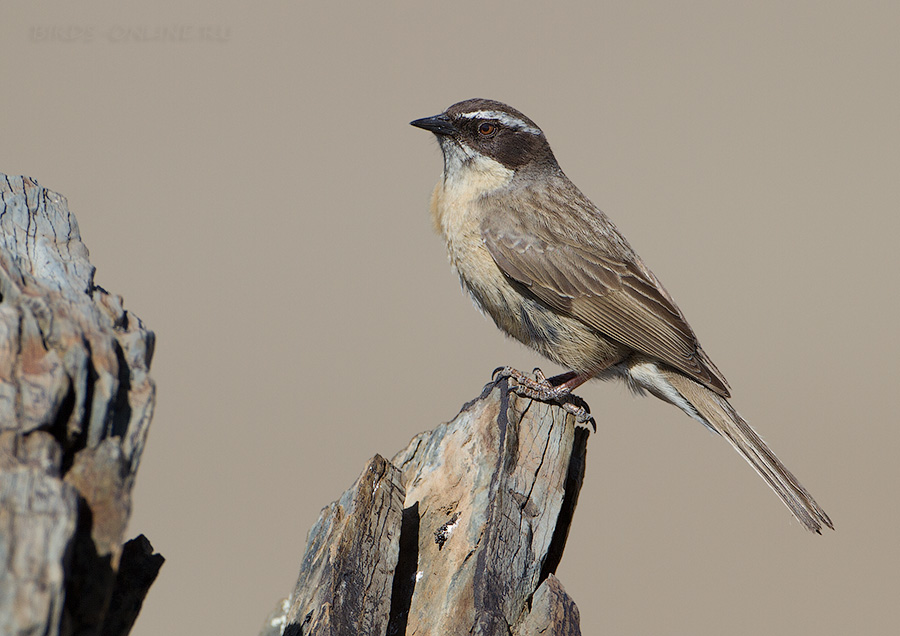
(76, 400)
(459, 533)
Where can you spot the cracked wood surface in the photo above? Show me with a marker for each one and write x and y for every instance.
(76, 401)
(345, 582)
(474, 516)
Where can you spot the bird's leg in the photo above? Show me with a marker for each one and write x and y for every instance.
(556, 380)
(556, 389)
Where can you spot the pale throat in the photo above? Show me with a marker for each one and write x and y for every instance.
(467, 177)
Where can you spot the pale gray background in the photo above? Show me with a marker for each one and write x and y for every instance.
(254, 192)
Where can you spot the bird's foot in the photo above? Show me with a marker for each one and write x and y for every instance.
(537, 387)
(556, 390)
(580, 411)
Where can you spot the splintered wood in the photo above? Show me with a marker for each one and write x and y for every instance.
(460, 533)
(76, 400)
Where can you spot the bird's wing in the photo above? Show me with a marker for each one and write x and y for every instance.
(615, 294)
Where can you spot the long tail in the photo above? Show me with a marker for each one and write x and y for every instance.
(717, 414)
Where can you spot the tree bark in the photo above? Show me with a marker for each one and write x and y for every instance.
(76, 401)
(460, 533)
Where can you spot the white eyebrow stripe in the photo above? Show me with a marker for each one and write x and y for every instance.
(504, 118)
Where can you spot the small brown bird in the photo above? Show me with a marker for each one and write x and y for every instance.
(554, 273)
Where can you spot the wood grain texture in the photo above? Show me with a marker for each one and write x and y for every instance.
(76, 400)
(552, 612)
(345, 581)
(474, 519)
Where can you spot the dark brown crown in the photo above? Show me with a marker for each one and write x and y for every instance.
(493, 129)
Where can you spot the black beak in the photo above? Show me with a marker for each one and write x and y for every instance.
(439, 124)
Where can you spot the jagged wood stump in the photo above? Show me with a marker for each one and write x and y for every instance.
(459, 533)
(75, 405)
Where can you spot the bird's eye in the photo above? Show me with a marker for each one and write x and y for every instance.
(486, 129)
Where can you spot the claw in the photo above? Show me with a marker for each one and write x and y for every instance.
(543, 390)
(506, 372)
(582, 415)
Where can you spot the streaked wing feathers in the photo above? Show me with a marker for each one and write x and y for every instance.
(617, 296)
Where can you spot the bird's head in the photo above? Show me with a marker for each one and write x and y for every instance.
(484, 135)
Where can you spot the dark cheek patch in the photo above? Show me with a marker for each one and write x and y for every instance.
(514, 149)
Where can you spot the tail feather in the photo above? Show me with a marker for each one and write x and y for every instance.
(716, 413)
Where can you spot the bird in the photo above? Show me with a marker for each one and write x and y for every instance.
(553, 272)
